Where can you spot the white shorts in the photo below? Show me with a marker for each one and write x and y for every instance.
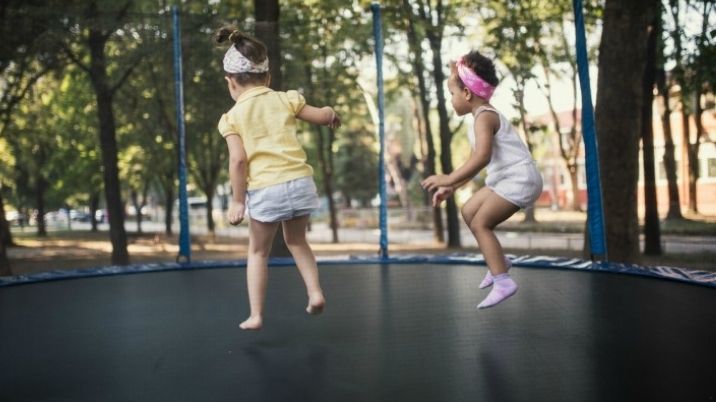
(283, 201)
(519, 184)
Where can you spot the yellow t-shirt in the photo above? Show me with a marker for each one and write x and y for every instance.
(266, 122)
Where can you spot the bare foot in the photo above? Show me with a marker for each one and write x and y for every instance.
(316, 304)
(252, 323)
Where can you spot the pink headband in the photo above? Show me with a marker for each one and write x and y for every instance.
(473, 82)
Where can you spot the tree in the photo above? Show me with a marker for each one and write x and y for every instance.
(515, 30)
(622, 61)
(652, 233)
(432, 18)
(554, 51)
(267, 14)
(25, 57)
(356, 164)
(701, 65)
(325, 56)
(400, 159)
(6, 160)
(416, 37)
(49, 136)
(94, 33)
(692, 65)
(151, 113)
(663, 88)
(73, 107)
(4, 262)
(207, 149)
(33, 144)
(136, 178)
(7, 163)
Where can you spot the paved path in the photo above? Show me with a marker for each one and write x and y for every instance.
(320, 233)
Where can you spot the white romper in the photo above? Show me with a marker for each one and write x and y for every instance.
(511, 172)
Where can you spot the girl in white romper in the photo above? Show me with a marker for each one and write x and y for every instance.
(513, 181)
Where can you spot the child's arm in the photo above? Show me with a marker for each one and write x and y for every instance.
(237, 174)
(324, 116)
(442, 194)
(486, 125)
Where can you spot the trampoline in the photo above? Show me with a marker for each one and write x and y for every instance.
(406, 330)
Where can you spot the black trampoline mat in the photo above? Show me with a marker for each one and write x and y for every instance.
(389, 333)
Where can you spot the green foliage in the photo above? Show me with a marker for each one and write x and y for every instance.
(49, 134)
(357, 166)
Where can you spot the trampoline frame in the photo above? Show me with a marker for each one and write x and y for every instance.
(695, 277)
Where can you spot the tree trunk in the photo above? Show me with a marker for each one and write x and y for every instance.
(694, 149)
(691, 163)
(108, 144)
(94, 206)
(168, 175)
(168, 209)
(529, 211)
(530, 215)
(574, 180)
(568, 152)
(400, 185)
(40, 201)
(429, 157)
(669, 149)
(5, 240)
(137, 210)
(5, 234)
(622, 58)
(652, 233)
(453, 224)
(4, 261)
(267, 13)
(327, 171)
(209, 191)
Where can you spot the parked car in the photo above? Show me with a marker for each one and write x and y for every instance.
(79, 216)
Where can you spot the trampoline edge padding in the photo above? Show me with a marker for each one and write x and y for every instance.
(703, 278)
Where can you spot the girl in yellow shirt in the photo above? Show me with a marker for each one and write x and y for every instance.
(267, 163)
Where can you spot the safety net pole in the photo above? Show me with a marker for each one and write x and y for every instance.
(184, 238)
(378, 36)
(595, 213)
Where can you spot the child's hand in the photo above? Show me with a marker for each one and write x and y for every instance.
(435, 181)
(335, 120)
(236, 212)
(441, 195)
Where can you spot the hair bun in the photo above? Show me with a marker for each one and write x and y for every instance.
(234, 35)
(229, 33)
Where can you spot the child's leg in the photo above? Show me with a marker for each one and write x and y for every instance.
(492, 212)
(260, 239)
(294, 232)
(469, 210)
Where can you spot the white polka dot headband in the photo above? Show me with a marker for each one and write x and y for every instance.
(235, 62)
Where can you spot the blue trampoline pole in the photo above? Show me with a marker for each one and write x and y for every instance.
(378, 36)
(184, 237)
(595, 213)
